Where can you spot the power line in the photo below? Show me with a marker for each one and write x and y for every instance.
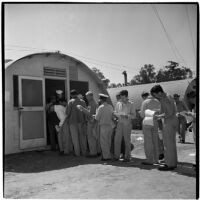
(96, 60)
(85, 59)
(190, 28)
(25, 47)
(100, 65)
(171, 43)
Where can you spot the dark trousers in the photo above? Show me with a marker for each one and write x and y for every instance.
(53, 136)
(122, 144)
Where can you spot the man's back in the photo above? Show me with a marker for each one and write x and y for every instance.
(151, 104)
(104, 114)
(74, 114)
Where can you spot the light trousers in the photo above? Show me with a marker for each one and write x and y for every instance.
(169, 139)
(79, 140)
(151, 143)
(105, 140)
(123, 129)
(64, 139)
(182, 123)
(92, 137)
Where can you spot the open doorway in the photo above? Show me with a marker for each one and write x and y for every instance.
(51, 85)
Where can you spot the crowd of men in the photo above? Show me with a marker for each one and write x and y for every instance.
(98, 129)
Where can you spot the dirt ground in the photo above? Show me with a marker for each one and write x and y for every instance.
(47, 175)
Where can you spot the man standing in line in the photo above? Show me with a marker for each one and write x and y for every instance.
(125, 112)
(104, 116)
(76, 120)
(144, 96)
(168, 113)
(52, 121)
(64, 140)
(92, 125)
(180, 106)
(150, 130)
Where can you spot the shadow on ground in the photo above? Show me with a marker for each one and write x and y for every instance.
(34, 162)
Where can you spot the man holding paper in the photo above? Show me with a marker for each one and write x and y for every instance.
(150, 129)
(168, 113)
(125, 112)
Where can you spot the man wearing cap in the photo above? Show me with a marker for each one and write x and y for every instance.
(125, 112)
(150, 130)
(180, 106)
(170, 123)
(104, 117)
(92, 125)
(60, 98)
(76, 120)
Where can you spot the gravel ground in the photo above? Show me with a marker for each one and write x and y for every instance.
(47, 175)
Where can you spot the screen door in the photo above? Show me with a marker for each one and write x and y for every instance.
(32, 112)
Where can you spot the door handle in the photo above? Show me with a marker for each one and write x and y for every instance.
(20, 108)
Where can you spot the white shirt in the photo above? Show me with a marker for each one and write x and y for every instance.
(125, 109)
(61, 113)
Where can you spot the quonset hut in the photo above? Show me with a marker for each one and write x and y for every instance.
(29, 82)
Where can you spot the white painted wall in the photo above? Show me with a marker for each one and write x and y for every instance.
(33, 66)
(93, 86)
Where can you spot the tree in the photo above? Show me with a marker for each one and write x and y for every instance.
(98, 73)
(146, 74)
(173, 72)
(112, 85)
(119, 85)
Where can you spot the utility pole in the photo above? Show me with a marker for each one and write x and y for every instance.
(125, 77)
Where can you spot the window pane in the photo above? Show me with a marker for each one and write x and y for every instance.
(32, 92)
(32, 124)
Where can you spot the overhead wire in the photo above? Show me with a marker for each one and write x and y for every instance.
(97, 62)
(170, 41)
(190, 29)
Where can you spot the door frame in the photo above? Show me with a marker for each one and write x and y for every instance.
(57, 78)
(66, 92)
(40, 141)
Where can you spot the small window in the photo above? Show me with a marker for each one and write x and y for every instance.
(48, 71)
(15, 91)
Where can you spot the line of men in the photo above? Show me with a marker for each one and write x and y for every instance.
(96, 124)
(108, 130)
(162, 113)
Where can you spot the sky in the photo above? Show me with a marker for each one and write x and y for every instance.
(110, 37)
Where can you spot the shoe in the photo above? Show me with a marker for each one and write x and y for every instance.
(61, 153)
(103, 159)
(66, 154)
(166, 168)
(91, 156)
(127, 160)
(147, 163)
(161, 162)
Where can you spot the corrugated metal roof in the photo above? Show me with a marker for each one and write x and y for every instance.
(135, 91)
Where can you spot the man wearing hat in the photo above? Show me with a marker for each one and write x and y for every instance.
(182, 122)
(125, 112)
(76, 120)
(60, 98)
(104, 116)
(92, 125)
